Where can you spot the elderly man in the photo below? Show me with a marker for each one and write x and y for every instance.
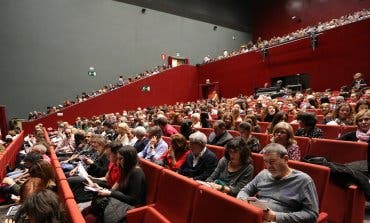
(201, 162)
(219, 136)
(290, 194)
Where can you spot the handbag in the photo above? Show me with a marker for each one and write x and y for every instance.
(109, 209)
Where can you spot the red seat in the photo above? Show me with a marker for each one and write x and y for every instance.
(330, 131)
(234, 133)
(152, 173)
(174, 198)
(263, 126)
(320, 176)
(213, 206)
(73, 212)
(263, 138)
(206, 131)
(219, 151)
(145, 215)
(304, 144)
(64, 190)
(346, 129)
(338, 151)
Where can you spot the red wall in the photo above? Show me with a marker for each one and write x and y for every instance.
(273, 18)
(177, 84)
(340, 54)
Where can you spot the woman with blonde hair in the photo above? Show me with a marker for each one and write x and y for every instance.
(342, 115)
(125, 136)
(284, 135)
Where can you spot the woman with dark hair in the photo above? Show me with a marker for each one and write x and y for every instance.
(234, 170)
(307, 122)
(245, 130)
(252, 119)
(342, 115)
(176, 155)
(186, 128)
(268, 113)
(42, 206)
(229, 121)
(204, 120)
(361, 105)
(130, 189)
(281, 116)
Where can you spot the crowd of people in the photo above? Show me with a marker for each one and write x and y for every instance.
(109, 146)
(298, 34)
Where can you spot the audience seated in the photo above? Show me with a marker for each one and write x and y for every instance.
(156, 147)
(290, 194)
(234, 170)
(201, 162)
(283, 135)
(219, 136)
(245, 130)
(129, 191)
(307, 122)
(177, 152)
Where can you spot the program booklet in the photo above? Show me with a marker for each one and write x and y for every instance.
(13, 210)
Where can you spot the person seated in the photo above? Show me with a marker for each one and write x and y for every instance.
(290, 194)
(67, 144)
(281, 116)
(195, 119)
(142, 140)
(358, 82)
(252, 119)
(362, 134)
(125, 135)
(177, 153)
(245, 130)
(234, 170)
(42, 150)
(268, 113)
(342, 115)
(130, 190)
(41, 206)
(229, 121)
(307, 122)
(166, 128)
(283, 134)
(219, 136)
(201, 162)
(108, 132)
(186, 128)
(361, 105)
(156, 147)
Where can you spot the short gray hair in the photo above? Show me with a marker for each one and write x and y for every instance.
(198, 137)
(140, 130)
(275, 148)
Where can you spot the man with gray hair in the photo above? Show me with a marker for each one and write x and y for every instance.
(201, 162)
(142, 140)
(290, 194)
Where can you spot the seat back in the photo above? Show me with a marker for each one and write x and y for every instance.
(152, 174)
(346, 129)
(219, 151)
(234, 133)
(206, 131)
(263, 138)
(304, 144)
(258, 163)
(330, 131)
(263, 126)
(319, 174)
(213, 206)
(175, 196)
(338, 151)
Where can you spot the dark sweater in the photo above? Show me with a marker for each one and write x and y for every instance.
(134, 192)
(204, 168)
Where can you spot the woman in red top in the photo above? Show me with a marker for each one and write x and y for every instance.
(114, 171)
(176, 154)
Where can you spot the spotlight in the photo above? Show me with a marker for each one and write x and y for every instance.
(143, 10)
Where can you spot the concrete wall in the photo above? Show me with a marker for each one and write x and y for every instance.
(47, 47)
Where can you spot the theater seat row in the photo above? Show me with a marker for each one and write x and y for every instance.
(9, 155)
(175, 198)
(64, 191)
